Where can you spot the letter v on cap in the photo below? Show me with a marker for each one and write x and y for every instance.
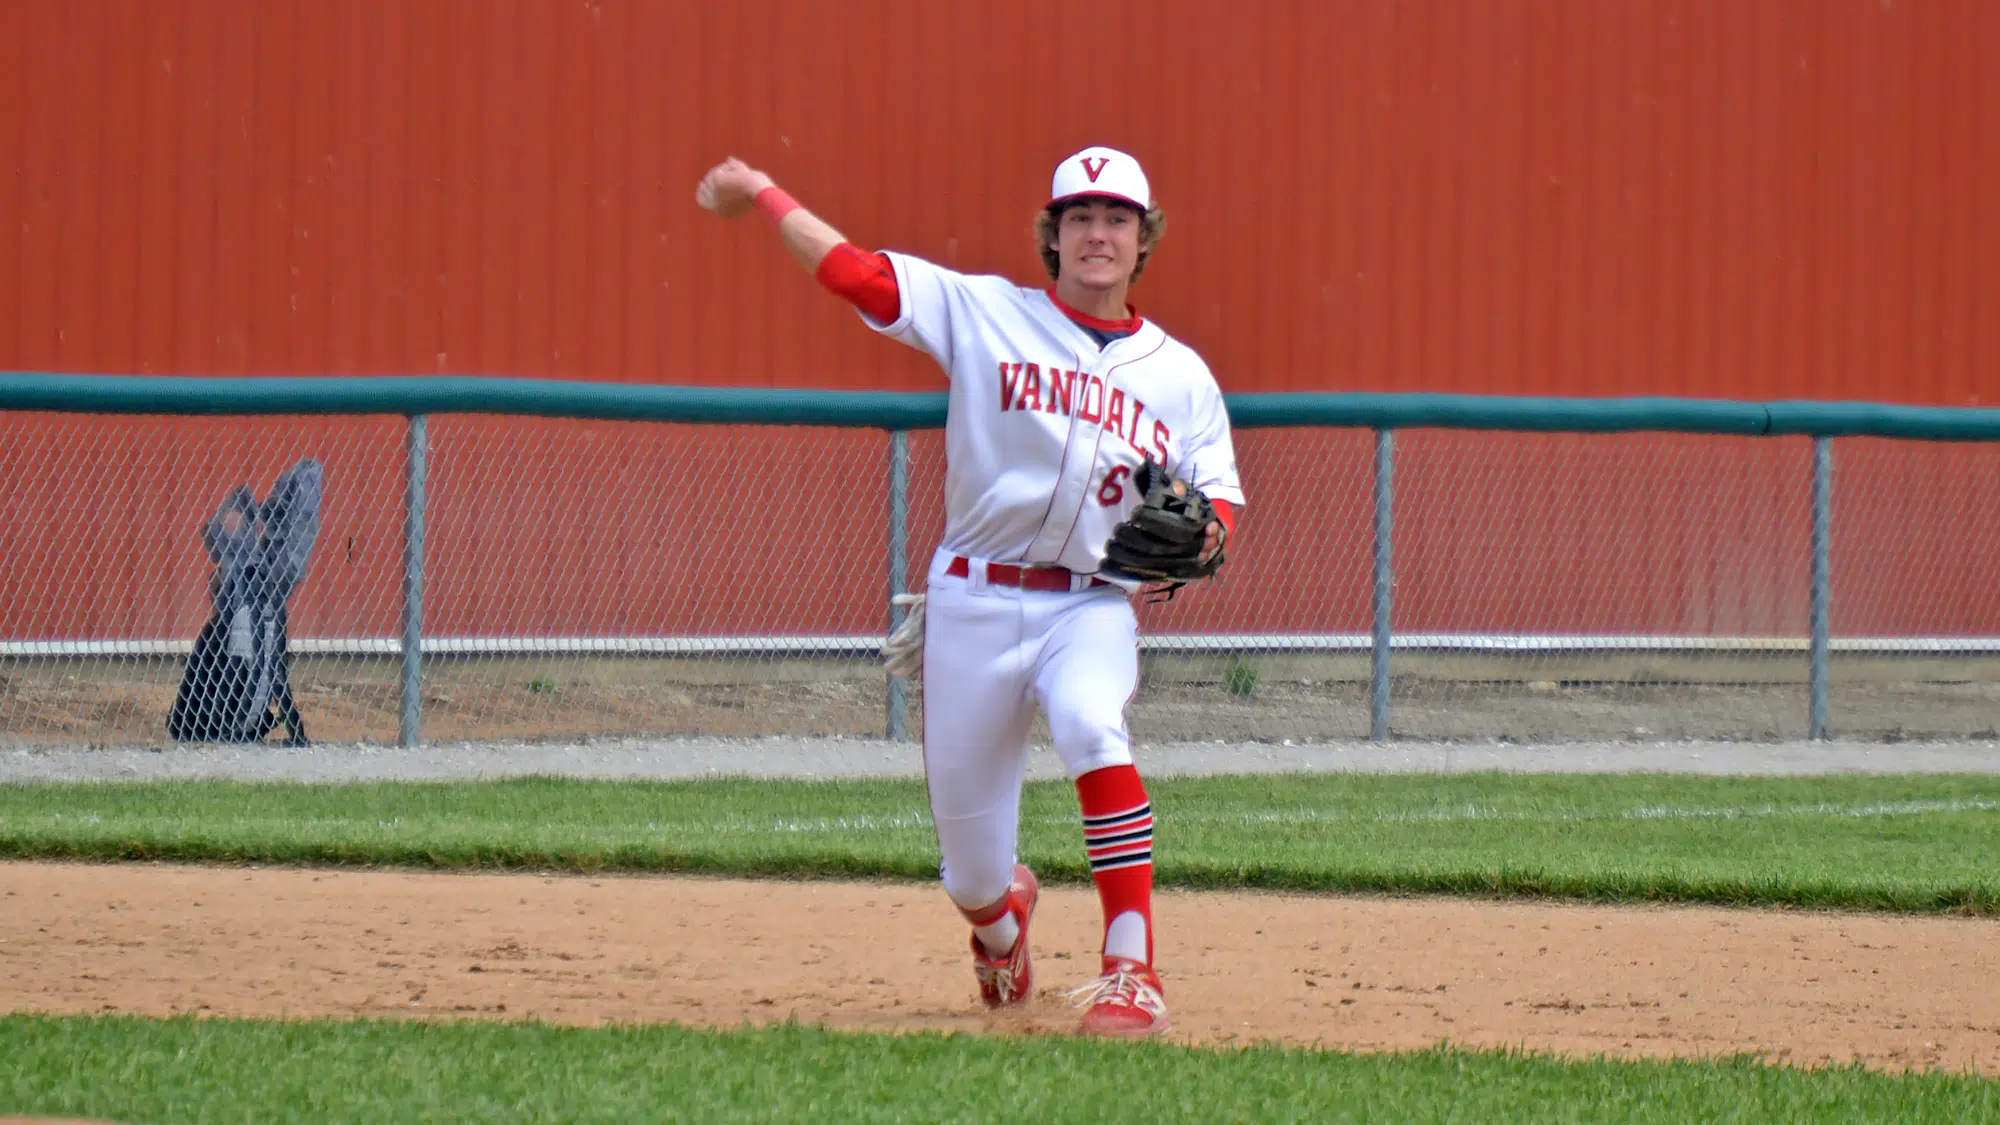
(1100, 171)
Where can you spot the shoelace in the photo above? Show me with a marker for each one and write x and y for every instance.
(1124, 986)
(1001, 977)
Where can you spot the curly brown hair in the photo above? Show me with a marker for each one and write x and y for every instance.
(1152, 225)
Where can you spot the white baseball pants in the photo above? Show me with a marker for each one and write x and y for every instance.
(991, 655)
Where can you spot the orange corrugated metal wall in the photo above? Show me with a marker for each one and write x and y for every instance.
(1782, 199)
(1778, 199)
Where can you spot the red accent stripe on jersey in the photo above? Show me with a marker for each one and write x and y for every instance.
(1085, 498)
(1082, 499)
(867, 280)
(1226, 512)
(1129, 324)
(1069, 435)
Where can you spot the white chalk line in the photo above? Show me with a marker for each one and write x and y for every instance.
(1470, 811)
(917, 821)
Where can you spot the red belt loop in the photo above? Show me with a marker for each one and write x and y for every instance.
(1054, 578)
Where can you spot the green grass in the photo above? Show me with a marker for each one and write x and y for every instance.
(1917, 843)
(182, 1070)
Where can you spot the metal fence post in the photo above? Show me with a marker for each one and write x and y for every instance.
(416, 449)
(1822, 579)
(1384, 582)
(899, 549)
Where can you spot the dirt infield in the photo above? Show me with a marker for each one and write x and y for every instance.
(1353, 973)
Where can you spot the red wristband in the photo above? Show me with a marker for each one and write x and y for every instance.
(773, 201)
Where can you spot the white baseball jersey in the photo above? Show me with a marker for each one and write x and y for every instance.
(1045, 427)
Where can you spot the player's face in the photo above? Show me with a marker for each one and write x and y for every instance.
(1098, 242)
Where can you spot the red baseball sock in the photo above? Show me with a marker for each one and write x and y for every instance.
(1118, 836)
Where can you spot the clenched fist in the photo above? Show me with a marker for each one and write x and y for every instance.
(730, 188)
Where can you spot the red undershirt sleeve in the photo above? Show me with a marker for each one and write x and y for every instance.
(1226, 512)
(865, 280)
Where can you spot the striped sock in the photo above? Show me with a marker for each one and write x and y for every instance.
(1118, 837)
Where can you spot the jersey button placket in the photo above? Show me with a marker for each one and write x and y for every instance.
(1079, 448)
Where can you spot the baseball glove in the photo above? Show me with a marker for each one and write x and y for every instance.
(1161, 540)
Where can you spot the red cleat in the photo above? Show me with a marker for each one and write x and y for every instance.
(1126, 1001)
(1009, 980)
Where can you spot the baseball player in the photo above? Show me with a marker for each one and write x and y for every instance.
(1089, 457)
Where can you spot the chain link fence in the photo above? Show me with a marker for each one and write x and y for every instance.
(1915, 590)
(581, 579)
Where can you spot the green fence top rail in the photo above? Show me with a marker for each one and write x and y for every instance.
(425, 394)
(886, 410)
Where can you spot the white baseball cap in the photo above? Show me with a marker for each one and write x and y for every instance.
(1101, 171)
